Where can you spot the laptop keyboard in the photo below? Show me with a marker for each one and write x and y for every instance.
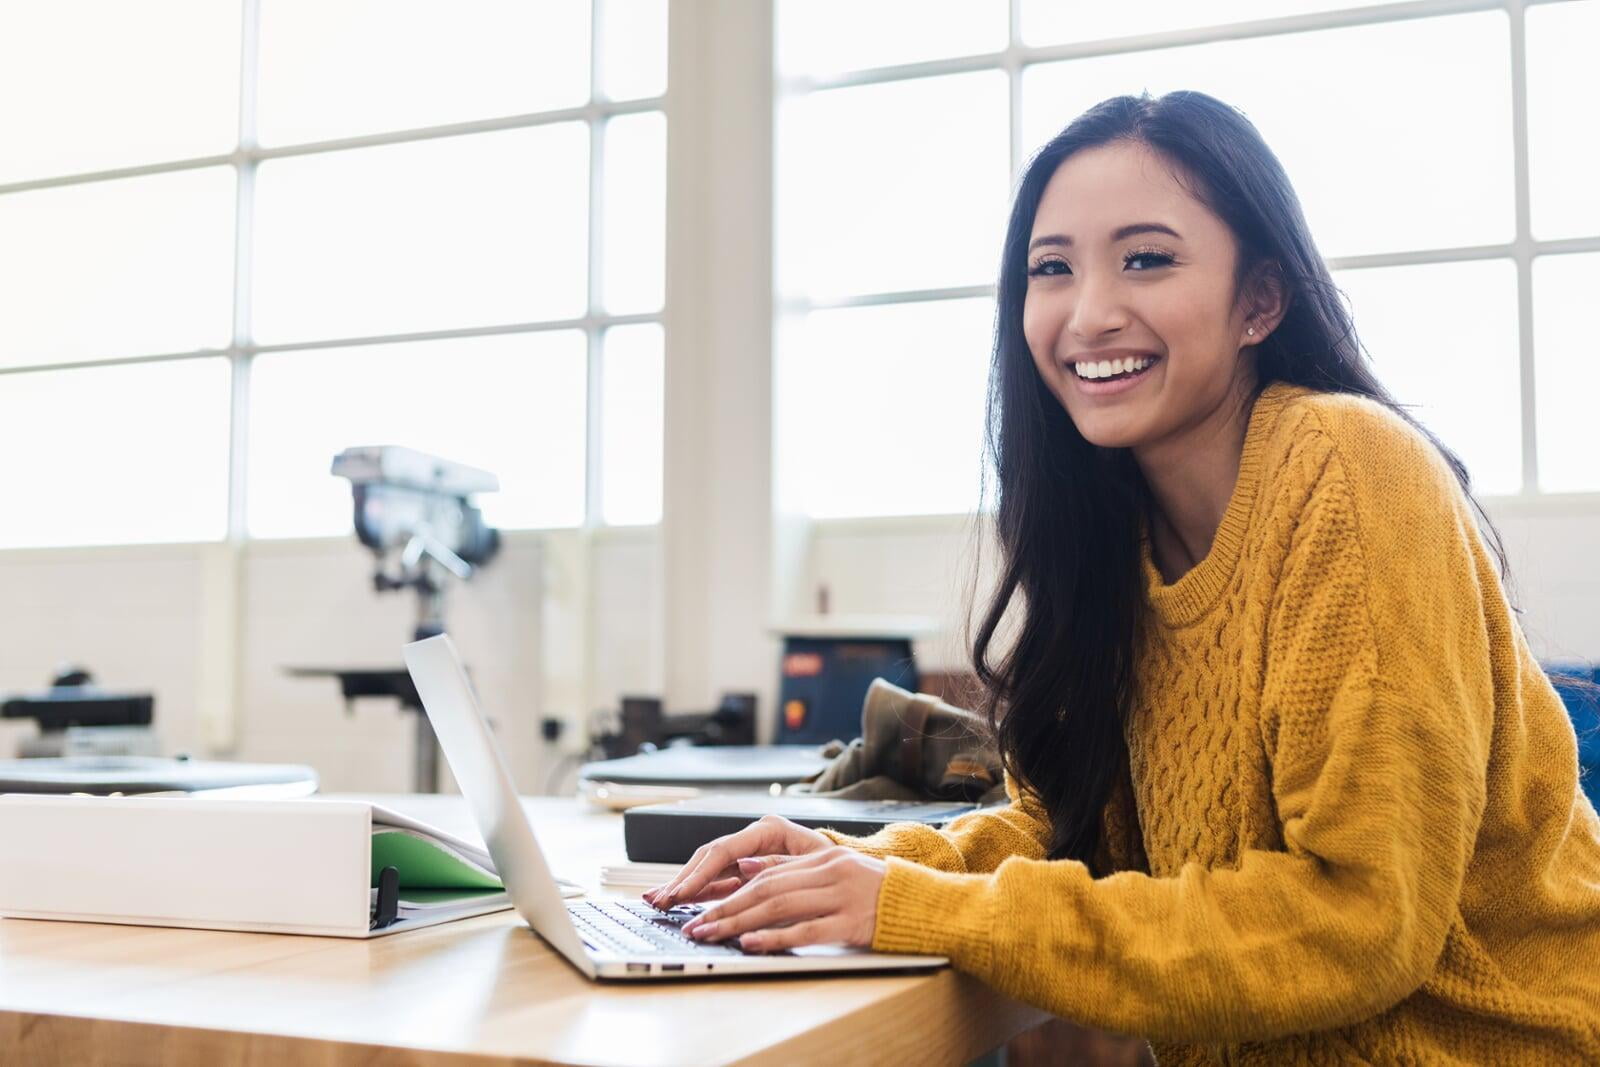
(637, 929)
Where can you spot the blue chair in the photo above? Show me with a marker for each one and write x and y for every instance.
(1584, 706)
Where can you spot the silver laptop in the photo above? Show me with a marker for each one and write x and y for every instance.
(602, 938)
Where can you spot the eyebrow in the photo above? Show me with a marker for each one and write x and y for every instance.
(1120, 233)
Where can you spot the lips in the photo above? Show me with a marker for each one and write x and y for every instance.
(1111, 371)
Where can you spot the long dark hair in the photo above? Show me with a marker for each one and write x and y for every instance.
(1068, 514)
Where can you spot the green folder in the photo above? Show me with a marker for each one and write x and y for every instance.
(426, 864)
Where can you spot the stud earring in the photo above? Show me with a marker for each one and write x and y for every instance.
(1251, 331)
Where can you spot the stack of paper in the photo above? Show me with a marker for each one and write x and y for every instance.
(637, 875)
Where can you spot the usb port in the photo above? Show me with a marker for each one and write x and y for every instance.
(638, 968)
(667, 968)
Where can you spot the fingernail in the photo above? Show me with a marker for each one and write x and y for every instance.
(704, 930)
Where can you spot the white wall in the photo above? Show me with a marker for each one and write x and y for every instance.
(1554, 554)
(924, 566)
(312, 604)
(140, 617)
(132, 616)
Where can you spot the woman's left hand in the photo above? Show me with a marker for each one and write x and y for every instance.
(829, 896)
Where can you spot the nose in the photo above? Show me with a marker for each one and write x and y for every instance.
(1097, 309)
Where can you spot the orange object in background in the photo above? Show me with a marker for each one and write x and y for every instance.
(802, 665)
(794, 714)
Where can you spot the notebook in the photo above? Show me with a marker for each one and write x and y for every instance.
(309, 866)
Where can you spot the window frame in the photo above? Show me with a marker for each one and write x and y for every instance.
(246, 158)
(1522, 249)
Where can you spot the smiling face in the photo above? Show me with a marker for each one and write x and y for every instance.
(1136, 331)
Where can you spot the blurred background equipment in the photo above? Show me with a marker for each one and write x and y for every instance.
(643, 726)
(640, 755)
(828, 663)
(684, 772)
(152, 775)
(78, 718)
(415, 512)
(93, 740)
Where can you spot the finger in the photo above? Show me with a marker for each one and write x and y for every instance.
(811, 932)
(754, 865)
(762, 836)
(792, 907)
(655, 897)
(661, 891)
(746, 870)
(766, 887)
(668, 894)
(718, 890)
(770, 883)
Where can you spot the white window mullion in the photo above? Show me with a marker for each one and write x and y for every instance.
(240, 353)
(1523, 246)
(1014, 63)
(593, 460)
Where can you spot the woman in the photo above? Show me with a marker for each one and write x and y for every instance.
(1287, 784)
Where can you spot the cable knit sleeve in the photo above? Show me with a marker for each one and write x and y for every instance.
(976, 842)
(1376, 711)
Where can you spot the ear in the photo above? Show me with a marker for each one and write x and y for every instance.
(1266, 301)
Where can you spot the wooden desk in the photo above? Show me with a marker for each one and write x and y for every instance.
(480, 991)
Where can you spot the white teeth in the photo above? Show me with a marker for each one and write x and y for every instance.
(1106, 368)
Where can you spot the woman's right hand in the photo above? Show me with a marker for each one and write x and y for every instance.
(719, 867)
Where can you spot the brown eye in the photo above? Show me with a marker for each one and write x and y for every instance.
(1160, 259)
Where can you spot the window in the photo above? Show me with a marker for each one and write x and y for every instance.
(823, 37)
(894, 186)
(123, 267)
(285, 227)
(1568, 371)
(479, 229)
(116, 454)
(1368, 180)
(1562, 160)
(110, 85)
(858, 386)
(897, 144)
(505, 403)
(1452, 371)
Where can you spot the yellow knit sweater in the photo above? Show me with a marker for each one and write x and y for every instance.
(1351, 828)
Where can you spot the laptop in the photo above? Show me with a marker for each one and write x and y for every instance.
(625, 939)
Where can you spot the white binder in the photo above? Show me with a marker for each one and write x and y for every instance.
(270, 866)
